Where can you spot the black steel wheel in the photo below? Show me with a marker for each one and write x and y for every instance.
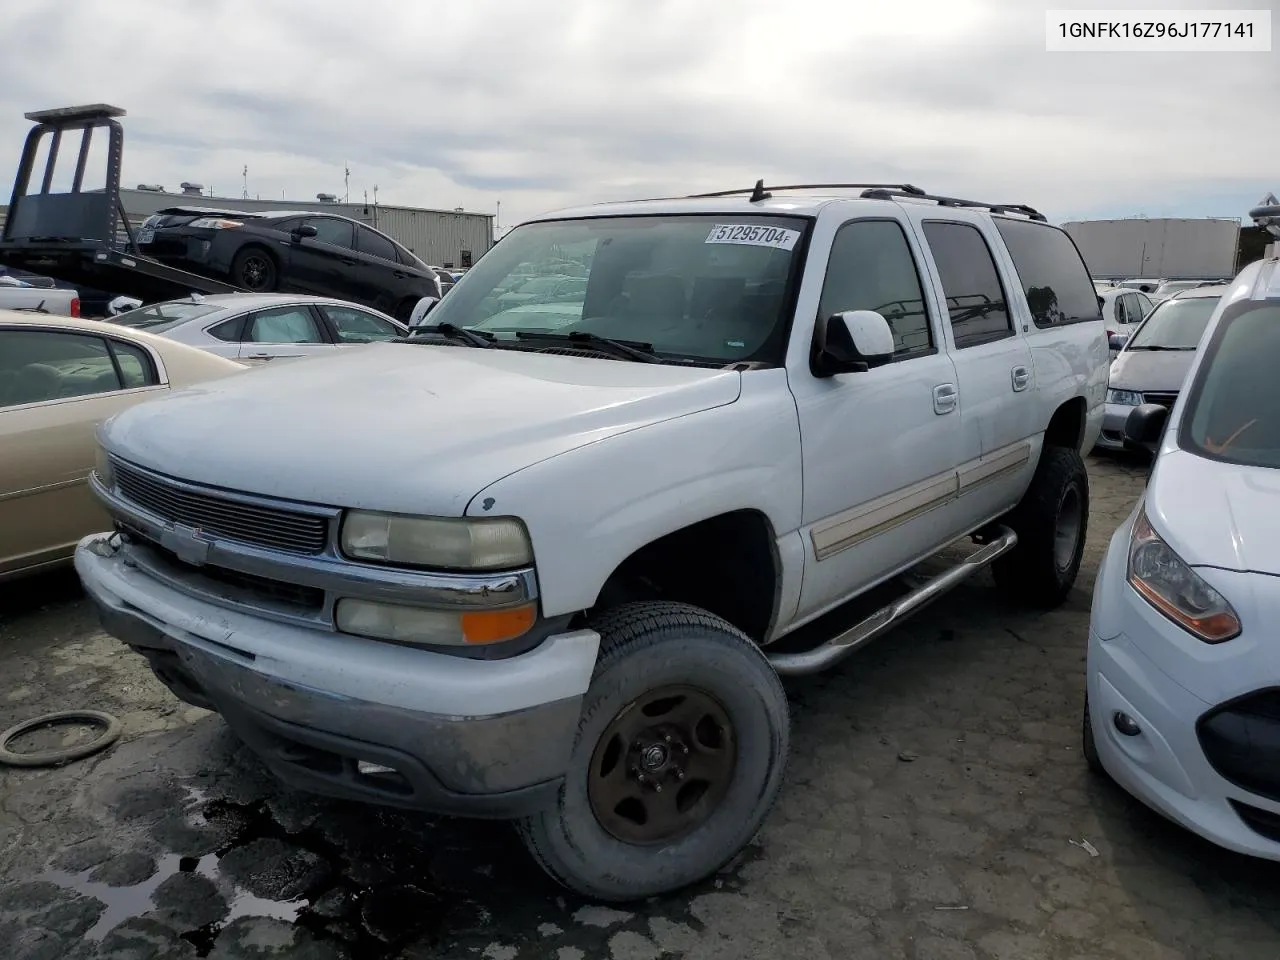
(254, 269)
(662, 766)
(679, 756)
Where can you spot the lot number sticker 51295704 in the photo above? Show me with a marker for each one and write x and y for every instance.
(754, 235)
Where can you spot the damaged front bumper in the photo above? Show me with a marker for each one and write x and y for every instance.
(354, 718)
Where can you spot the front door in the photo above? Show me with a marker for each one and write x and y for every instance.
(993, 367)
(283, 333)
(326, 263)
(879, 447)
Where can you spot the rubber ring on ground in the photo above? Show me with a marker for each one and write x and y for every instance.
(53, 758)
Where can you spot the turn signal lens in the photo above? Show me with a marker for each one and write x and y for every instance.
(1165, 581)
(405, 624)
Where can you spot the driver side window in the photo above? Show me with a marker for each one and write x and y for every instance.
(872, 268)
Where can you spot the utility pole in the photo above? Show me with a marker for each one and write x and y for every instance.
(346, 182)
(245, 174)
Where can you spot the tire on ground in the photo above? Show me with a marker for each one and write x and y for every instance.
(645, 647)
(1039, 571)
(271, 277)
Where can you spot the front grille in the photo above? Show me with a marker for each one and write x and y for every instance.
(221, 515)
(1241, 741)
(1165, 398)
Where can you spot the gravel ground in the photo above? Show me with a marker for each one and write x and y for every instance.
(936, 808)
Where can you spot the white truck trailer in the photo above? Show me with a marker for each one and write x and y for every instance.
(1184, 249)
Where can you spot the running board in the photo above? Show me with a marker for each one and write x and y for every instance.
(841, 645)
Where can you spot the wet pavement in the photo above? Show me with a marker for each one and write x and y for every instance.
(936, 808)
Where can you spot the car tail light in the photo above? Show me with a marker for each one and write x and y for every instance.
(75, 306)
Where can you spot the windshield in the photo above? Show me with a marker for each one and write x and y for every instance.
(162, 316)
(1174, 325)
(1233, 411)
(709, 288)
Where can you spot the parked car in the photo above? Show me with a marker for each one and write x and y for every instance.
(58, 379)
(257, 327)
(1151, 364)
(541, 574)
(17, 294)
(1123, 310)
(302, 252)
(1183, 680)
(1142, 285)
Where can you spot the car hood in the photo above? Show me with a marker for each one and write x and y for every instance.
(1217, 514)
(1150, 370)
(403, 427)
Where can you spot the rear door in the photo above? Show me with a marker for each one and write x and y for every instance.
(385, 282)
(283, 333)
(992, 360)
(56, 386)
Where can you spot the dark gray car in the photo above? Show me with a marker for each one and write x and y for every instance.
(1155, 360)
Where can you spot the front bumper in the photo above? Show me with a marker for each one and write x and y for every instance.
(1142, 665)
(464, 737)
(1113, 420)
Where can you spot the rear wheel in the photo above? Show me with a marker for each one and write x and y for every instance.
(254, 269)
(1051, 522)
(679, 757)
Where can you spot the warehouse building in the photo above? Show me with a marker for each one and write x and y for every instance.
(443, 238)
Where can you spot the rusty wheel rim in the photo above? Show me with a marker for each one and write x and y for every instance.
(663, 766)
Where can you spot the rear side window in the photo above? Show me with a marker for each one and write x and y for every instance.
(135, 367)
(376, 245)
(229, 331)
(970, 282)
(1052, 273)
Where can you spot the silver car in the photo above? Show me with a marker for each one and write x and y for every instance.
(1153, 362)
(257, 327)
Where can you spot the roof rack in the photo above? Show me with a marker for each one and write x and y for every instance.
(761, 192)
(890, 193)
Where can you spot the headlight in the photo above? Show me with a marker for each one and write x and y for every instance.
(1165, 581)
(102, 468)
(497, 543)
(215, 223)
(404, 624)
(1126, 398)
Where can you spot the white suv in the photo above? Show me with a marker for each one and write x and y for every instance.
(535, 561)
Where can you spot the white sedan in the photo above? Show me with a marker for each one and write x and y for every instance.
(257, 327)
(1183, 678)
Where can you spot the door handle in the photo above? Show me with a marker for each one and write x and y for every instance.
(945, 397)
(399, 274)
(260, 356)
(1021, 377)
(349, 262)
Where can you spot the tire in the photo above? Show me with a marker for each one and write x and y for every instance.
(649, 649)
(1042, 568)
(1088, 745)
(255, 270)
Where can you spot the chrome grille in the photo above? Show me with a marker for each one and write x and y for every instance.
(1162, 397)
(221, 515)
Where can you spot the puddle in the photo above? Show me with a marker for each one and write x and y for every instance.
(373, 920)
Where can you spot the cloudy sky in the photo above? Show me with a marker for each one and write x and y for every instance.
(541, 104)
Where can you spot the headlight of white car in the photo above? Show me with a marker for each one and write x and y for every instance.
(497, 543)
(405, 624)
(102, 468)
(1125, 398)
(1164, 580)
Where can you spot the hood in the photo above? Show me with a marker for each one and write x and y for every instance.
(1217, 514)
(1140, 370)
(402, 427)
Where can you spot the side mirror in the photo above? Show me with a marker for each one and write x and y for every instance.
(1144, 428)
(304, 232)
(1117, 341)
(420, 311)
(850, 342)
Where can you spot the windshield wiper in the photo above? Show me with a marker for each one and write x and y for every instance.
(451, 331)
(632, 349)
(1156, 346)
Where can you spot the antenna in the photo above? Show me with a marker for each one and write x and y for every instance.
(759, 193)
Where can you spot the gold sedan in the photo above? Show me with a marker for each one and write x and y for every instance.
(60, 378)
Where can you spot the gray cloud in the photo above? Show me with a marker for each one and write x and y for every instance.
(542, 105)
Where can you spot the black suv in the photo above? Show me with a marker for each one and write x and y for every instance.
(297, 252)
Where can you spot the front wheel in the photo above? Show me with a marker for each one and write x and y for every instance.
(679, 757)
(1051, 522)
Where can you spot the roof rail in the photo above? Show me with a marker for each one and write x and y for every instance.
(890, 193)
(72, 115)
(761, 192)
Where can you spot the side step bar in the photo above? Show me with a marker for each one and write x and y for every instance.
(840, 646)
